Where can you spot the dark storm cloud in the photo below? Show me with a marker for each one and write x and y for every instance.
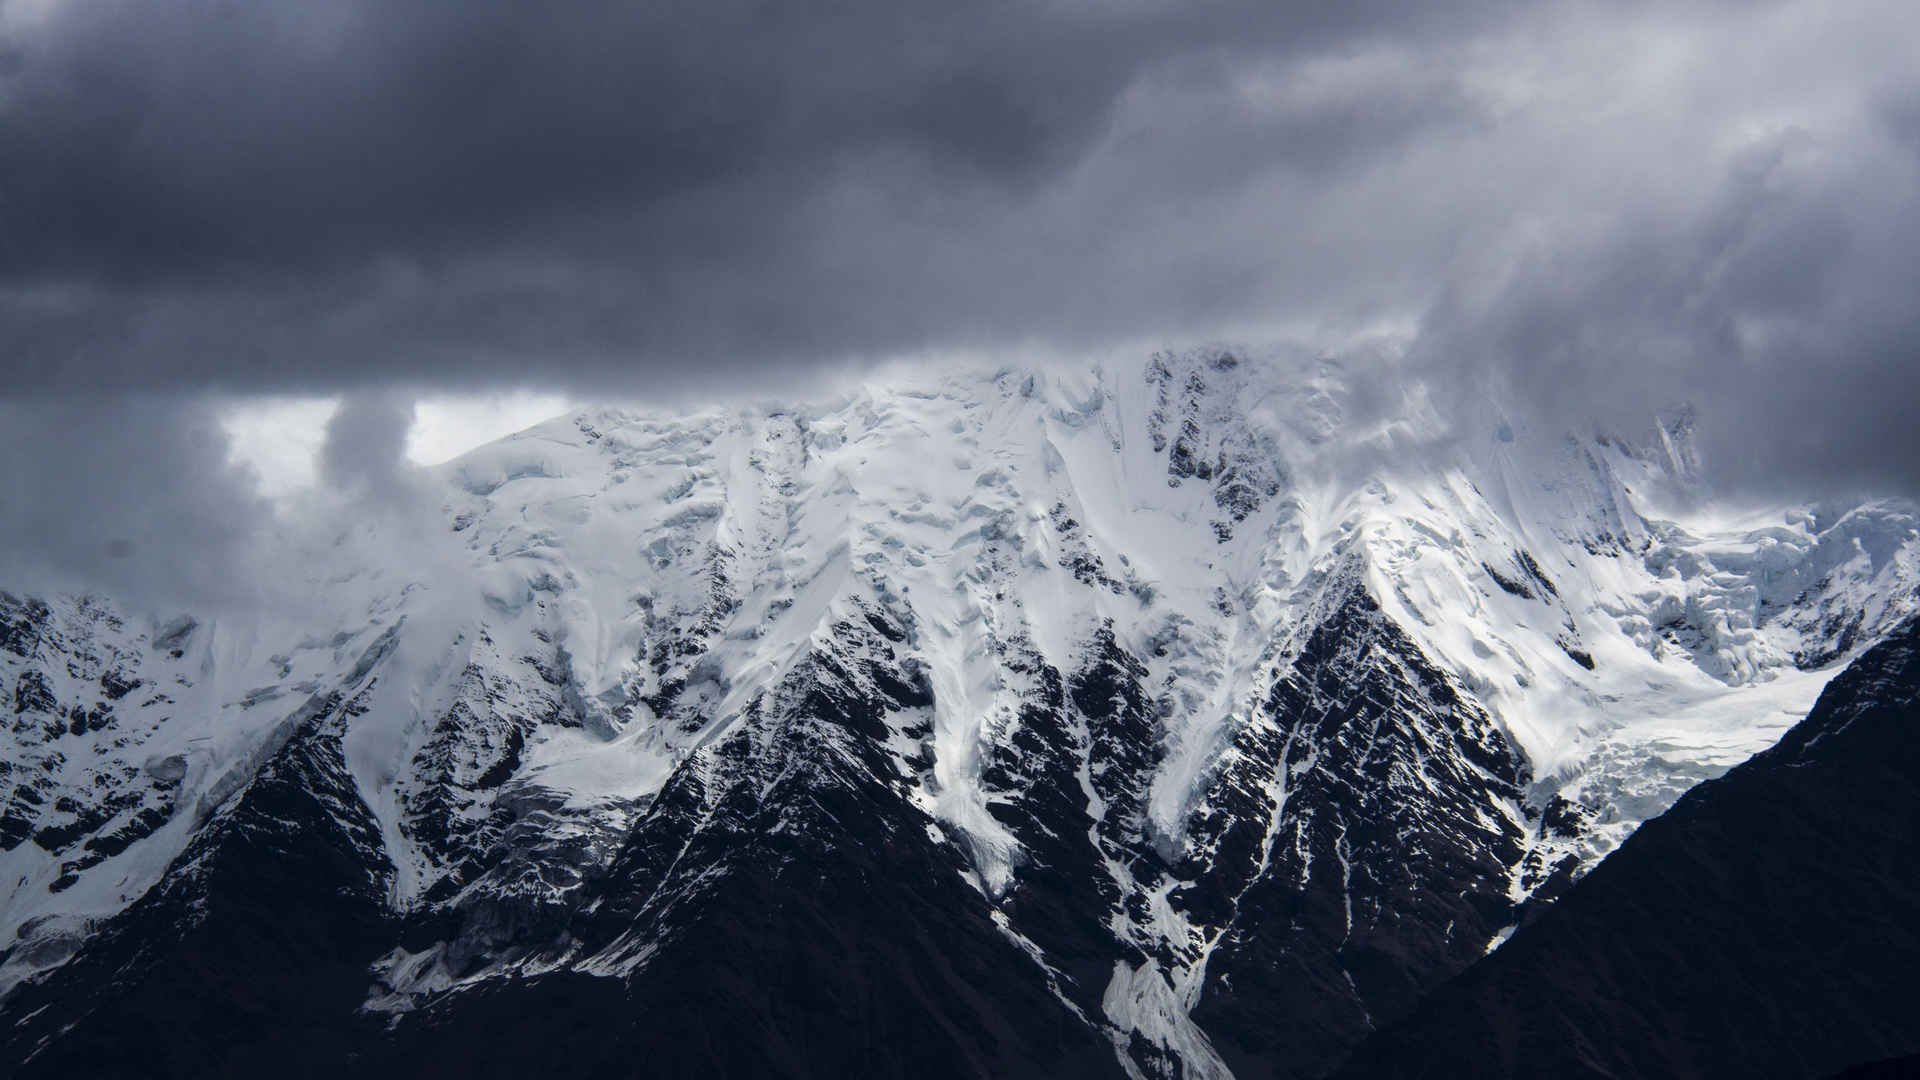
(1595, 208)
(283, 193)
(172, 138)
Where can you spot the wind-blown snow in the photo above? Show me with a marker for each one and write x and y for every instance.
(611, 574)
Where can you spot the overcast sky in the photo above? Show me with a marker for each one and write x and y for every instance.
(1594, 209)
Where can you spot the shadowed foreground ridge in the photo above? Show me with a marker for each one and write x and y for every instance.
(1767, 925)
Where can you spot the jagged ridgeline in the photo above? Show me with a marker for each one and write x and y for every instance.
(1766, 926)
(1161, 719)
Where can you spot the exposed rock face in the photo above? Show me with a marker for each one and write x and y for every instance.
(1763, 927)
(1389, 854)
(249, 954)
(1017, 725)
(74, 672)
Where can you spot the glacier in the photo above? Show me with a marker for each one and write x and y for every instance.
(1184, 634)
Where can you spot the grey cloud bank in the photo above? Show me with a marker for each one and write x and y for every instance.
(288, 194)
(136, 498)
(1593, 210)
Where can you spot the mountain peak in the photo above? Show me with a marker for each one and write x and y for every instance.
(1197, 689)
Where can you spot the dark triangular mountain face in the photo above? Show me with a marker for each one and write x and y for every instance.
(1766, 926)
(249, 957)
(784, 907)
(1008, 725)
(780, 910)
(1388, 860)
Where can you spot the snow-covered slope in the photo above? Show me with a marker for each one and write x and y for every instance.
(1758, 929)
(1217, 694)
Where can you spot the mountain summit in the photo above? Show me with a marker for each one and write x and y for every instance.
(1189, 718)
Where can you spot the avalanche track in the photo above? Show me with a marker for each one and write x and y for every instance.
(1162, 719)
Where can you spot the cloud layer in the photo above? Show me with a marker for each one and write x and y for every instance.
(1591, 210)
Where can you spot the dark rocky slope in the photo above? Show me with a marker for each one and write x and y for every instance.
(1766, 926)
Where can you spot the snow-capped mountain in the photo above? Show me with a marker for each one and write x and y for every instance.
(1754, 930)
(1176, 719)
